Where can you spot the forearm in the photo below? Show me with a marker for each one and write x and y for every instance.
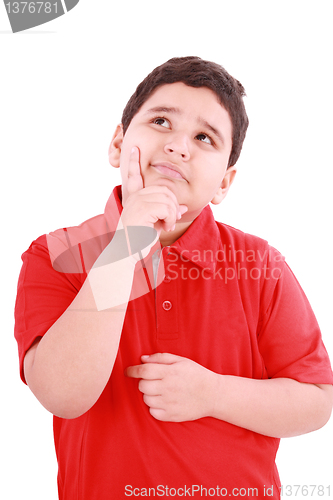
(276, 407)
(73, 361)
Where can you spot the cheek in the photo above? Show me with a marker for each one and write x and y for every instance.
(131, 140)
(217, 170)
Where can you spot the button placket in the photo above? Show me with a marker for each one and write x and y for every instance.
(167, 306)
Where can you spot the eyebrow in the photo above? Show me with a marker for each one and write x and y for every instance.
(200, 120)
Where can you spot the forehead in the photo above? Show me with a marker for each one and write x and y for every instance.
(180, 89)
(189, 102)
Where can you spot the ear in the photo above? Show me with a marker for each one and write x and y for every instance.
(225, 185)
(115, 147)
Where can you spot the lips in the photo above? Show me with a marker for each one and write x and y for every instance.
(169, 170)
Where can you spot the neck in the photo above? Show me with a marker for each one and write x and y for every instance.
(168, 238)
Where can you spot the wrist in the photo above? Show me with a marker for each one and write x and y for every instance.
(134, 241)
(214, 395)
(111, 283)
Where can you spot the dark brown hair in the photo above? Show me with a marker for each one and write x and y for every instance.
(196, 72)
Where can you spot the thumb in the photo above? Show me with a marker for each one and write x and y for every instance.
(162, 358)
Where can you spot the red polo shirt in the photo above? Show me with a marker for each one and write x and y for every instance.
(229, 302)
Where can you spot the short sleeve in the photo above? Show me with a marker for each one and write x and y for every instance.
(289, 337)
(43, 294)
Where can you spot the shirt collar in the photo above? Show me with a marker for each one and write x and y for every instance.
(201, 241)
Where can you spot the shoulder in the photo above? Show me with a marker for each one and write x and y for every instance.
(71, 250)
(254, 260)
(37, 255)
(74, 249)
(39, 245)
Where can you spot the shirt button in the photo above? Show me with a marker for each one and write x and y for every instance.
(167, 305)
(167, 279)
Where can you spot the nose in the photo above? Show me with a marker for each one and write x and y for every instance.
(178, 145)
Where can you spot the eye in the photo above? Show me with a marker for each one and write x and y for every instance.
(204, 138)
(163, 122)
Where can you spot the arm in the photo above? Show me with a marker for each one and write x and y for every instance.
(278, 407)
(69, 367)
(178, 389)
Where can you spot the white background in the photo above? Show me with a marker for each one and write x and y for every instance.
(63, 87)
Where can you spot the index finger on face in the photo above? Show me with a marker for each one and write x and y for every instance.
(134, 177)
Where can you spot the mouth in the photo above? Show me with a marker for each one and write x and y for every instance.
(169, 170)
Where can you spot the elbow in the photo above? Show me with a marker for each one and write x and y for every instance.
(314, 412)
(62, 402)
(61, 406)
(320, 409)
(63, 398)
(68, 412)
(326, 405)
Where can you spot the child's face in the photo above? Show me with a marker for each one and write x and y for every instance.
(185, 137)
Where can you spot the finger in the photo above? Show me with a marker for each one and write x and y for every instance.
(159, 414)
(161, 195)
(182, 210)
(158, 209)
(146, 371)
(150, 387)
(167, 215)
(174, 214)
(134, 180)
(161, 358)
(153, 401)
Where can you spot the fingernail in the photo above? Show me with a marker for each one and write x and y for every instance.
(173, 228)
(145, 357)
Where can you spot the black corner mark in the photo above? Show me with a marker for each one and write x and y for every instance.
(28, 14)
(70, 4)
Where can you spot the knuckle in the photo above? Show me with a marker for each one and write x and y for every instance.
(144, 371)
(170, 211)
(142, 386)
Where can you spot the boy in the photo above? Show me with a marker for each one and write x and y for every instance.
(173, 350)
